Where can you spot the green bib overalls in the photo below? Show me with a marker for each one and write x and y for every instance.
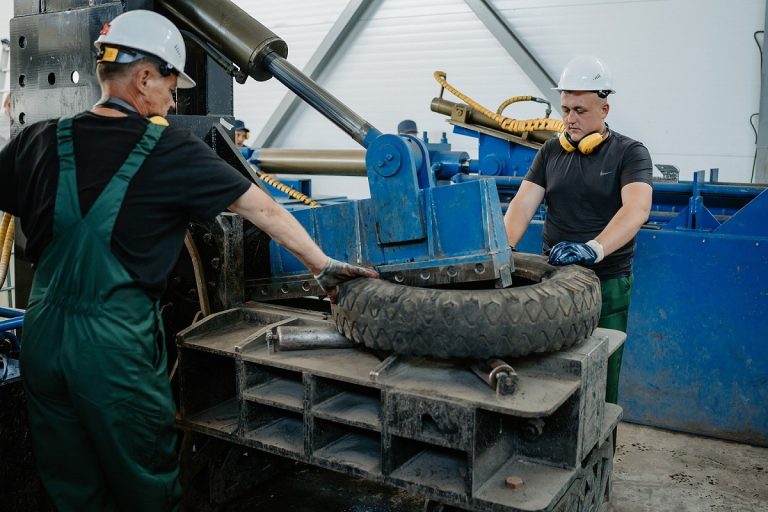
(93, 360)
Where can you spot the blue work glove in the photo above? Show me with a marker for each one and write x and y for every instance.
(336, 272)
(568, 253)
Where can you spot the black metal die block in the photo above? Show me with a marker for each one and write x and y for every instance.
(432, 427)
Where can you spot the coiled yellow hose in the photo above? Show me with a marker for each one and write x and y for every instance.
(292, 192)
(506, 123)
(6, 245)
(515, 99)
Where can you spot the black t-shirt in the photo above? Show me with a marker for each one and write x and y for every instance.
(181, 179)
(583, 193)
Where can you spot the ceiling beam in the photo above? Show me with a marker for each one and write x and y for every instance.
(318, 63)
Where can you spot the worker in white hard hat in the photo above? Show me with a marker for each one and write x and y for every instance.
(105, 197)
(597, 186)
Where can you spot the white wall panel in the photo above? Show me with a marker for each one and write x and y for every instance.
(385, 74)
(302, 24)
(687, 72)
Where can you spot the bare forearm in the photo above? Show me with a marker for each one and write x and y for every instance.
(622, 228)
(516, 222)
(288, 232)
(283, 227)
(521, 210)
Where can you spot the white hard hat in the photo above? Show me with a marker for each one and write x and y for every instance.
(148, 33)
(586, 73)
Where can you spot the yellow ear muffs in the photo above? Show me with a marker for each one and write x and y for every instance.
(565, 143)
(586, 145)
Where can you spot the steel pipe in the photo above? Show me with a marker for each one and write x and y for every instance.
(311, 161)
(321, 100)
(288, 337)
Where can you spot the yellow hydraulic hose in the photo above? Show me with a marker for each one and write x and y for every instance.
(515, 99)
(506, 123)
(292, 192)
(6, 245)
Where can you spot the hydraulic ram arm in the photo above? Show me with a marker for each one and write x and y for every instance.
(260, 53)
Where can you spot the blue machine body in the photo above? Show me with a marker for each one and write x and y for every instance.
(496, 156)
(10, 320)
(411, 229)
(696, 356)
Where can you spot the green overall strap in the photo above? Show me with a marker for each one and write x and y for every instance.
(106, 207)
(103, 213)
(67, 207)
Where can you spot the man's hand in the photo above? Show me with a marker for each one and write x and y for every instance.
(568, 253)
(336, 272)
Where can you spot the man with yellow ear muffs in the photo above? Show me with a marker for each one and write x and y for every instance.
(597, 187)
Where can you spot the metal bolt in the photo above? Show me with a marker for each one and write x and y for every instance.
(480, 268)
(399, 277)
(424, 275)
(380, 163)
(388, 157)
(514, 482)
(305, 286)
(533, 429)
(284, 288)
(451, 271)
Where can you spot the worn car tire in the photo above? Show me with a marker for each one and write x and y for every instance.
(560, 308)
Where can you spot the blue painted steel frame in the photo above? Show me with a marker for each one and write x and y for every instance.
(347, 231)
(696, 355)
(409, 223)
(14, 319)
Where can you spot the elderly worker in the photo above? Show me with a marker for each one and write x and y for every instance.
(597, 186)
(105, 198)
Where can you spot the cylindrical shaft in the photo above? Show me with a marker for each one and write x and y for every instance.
(321, 100)
(255, 49)
(446, 107)
(231, 30)
(307, 338)
(335, 162)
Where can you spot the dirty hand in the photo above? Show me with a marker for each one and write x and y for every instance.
(336, 272)
(568, 253)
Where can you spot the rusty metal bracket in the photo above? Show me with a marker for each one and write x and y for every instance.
(497, 374)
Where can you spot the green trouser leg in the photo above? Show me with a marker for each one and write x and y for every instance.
(613, 315)
(93, 359)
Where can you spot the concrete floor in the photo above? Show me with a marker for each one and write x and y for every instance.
(654, 471)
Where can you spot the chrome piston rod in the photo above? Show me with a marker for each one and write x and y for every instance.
(258, 51)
